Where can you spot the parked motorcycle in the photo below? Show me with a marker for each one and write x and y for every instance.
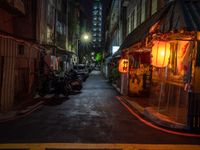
(73, 81)
(53, 84)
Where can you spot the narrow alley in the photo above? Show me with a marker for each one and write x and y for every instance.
(92, 116)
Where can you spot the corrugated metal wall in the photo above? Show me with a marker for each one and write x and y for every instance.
(8, 51)
(18, 66)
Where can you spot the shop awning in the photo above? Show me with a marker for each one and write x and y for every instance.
(59, 51)
(182, 14)
(63, 52)
(143, 30)
(176, 15)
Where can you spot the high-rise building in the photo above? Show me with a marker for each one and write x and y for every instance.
(97, 24)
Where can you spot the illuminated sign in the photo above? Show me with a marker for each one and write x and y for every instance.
(123, 66)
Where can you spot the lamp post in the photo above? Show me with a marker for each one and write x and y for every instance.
(85, 38)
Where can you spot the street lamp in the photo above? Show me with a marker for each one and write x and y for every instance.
(84, 38)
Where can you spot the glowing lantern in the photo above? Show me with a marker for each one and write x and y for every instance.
(123, 66)
(161, 53)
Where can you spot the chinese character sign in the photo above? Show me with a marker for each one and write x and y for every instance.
(123, 65)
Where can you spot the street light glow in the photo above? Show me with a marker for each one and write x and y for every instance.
(85, 37)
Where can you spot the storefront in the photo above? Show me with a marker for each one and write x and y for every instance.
(172, 66)
(161, 77)
(164, 64)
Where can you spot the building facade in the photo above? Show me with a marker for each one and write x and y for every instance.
(162, 54)
(161, 86)
(74, 29)
(97, 24)
(113, 38)
(32, 43)
(19, 53)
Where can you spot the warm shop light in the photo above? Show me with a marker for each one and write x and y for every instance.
(160, 53)
(123, 65)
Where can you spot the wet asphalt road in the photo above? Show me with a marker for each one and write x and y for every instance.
(93, 116)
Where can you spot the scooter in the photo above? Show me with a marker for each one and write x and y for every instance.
(53, 84)
(73, 82)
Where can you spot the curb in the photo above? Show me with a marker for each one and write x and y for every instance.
(150, 124)
(136, 106)
(116, 88)
(149, 113)
(22, 113)
(28, 110)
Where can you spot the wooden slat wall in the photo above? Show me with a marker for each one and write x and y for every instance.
(15, 70)
(8, 51)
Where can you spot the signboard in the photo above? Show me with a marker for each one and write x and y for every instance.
(123, 66)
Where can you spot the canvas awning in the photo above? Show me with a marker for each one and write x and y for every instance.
(60, 52)
(176, 15)
(182, 14)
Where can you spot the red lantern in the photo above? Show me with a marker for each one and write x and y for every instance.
(161, 53)
(123, 65)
